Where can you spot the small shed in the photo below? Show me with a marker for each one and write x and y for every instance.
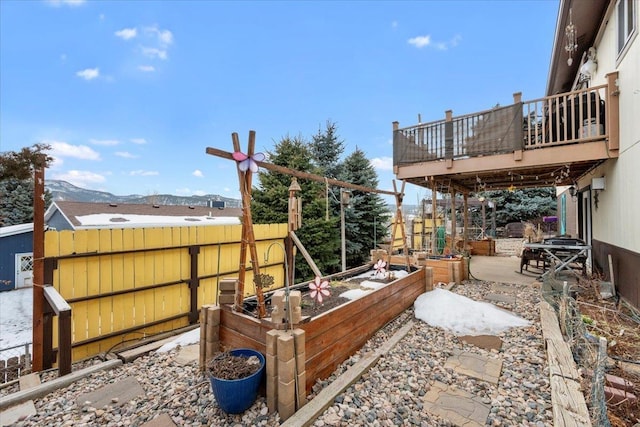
(16, 256)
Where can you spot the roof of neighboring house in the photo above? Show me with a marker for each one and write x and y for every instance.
(12, 230)
(116, 215)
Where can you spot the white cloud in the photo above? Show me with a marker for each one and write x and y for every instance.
(138, 141)
(227, 189)
(382, 163)
(199, 193)
(126, 33)
(88, 73)
(394, 24)
(165, 37)
(420, 41)
(106, 142)
(70, 3)
(125, 155)
(141, 172)
(80, 178)
(63, 57)
(198, 173)
(153, 52)
(63, 149)
(146, 68)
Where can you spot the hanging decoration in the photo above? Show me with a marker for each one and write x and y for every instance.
(319, 289)
(570, 33)
(247, 162)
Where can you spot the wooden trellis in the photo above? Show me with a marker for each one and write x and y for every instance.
(245, 177)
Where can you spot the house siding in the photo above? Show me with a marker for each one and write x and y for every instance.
(59, 222)
(12, 245)
(615, 228)
(626, 274)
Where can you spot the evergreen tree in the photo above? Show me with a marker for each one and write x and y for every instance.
(326, 149)
(523, 205)
(366, 222)
(16, 183)
(270, 205)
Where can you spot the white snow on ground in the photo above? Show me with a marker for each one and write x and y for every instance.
(372, 285)
(354, 294)
(371, 274)
(16, 314)
(462, 315)
(188, 338)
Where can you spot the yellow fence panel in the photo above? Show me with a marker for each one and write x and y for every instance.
(134, 282)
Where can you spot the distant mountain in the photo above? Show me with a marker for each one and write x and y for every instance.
(62, 190)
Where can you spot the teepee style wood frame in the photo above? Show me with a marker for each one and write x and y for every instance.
(248, 237)
(399, 219)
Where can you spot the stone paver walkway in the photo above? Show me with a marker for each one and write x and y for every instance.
(476, 366)
(114, 394)
(507, 299)
(458, 406)
(163, 420)
(488, 342)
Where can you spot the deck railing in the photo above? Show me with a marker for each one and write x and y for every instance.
(568, 118)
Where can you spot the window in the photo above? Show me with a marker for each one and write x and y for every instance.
(626, 10)
(26, 263)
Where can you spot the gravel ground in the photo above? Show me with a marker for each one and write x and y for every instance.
(390, 394)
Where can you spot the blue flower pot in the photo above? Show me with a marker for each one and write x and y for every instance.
(236, 396)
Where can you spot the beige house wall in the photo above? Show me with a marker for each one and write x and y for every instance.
(614, 221)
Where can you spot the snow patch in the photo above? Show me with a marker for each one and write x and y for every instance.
(464, 316)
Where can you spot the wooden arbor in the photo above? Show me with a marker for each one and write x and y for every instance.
(245, 171)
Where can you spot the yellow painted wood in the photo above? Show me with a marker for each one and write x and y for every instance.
(106, 272)
(51, 244)
(55, 335)
(78, 353)
(168, 256)
(66, 239)
(93, 320)
(138, 238)
(128, 264)
(193, 235)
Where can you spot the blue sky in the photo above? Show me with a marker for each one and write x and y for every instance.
(130, 94)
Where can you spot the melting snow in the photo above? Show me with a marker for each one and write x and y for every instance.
(462, 315)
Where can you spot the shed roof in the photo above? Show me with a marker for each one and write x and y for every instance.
(11, 230)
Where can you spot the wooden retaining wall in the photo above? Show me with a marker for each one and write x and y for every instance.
(331, 337)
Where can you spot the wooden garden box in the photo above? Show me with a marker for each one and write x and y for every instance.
(333, 336)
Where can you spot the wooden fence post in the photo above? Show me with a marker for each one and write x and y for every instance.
(194, 283)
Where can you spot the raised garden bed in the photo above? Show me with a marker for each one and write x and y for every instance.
(331, 336)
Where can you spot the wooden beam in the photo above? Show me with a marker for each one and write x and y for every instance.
(243, 241)
(38, 270)
(305, 254)
(299, 174)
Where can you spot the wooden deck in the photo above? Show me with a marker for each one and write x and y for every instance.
(543, 142)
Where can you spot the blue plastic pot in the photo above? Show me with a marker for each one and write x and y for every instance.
(236, 396)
